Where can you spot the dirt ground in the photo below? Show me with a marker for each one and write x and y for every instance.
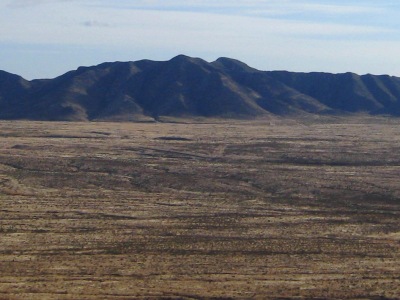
(234, 209)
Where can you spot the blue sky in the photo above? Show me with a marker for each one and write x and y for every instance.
(46, 38)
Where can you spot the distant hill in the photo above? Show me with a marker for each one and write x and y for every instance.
(191, 87)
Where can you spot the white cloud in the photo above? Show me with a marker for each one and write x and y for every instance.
(92, 23)
(245, 6)
(62, 23)
(340, 9)
(28, 3)
(284, 8)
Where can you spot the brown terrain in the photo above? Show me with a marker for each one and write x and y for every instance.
(225, 209)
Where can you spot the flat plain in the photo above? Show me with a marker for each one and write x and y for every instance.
(225, 209)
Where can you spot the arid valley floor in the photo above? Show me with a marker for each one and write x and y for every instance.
(234, 209)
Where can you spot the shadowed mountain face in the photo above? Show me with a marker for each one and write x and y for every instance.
(185, 87)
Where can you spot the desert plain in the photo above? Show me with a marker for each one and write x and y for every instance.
(233, 209)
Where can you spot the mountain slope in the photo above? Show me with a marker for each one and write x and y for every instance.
(14, 92)
(186, 87)
(347, 92)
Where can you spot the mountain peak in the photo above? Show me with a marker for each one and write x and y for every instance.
(181, 57)
(9, 80)
(185, 58)
(233, 64)
(5, 74)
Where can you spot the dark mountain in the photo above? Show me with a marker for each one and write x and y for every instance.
(187, 87)
(14, 92)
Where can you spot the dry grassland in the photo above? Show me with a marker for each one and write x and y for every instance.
(180, 211)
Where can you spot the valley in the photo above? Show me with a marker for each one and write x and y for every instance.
(277, 208)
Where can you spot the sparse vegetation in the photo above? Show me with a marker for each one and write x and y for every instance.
(226, 209)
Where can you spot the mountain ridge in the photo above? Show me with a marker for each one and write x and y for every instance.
(192, 87)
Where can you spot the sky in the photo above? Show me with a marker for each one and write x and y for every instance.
(46, 38)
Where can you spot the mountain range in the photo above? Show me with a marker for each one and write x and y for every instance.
(192, 87)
